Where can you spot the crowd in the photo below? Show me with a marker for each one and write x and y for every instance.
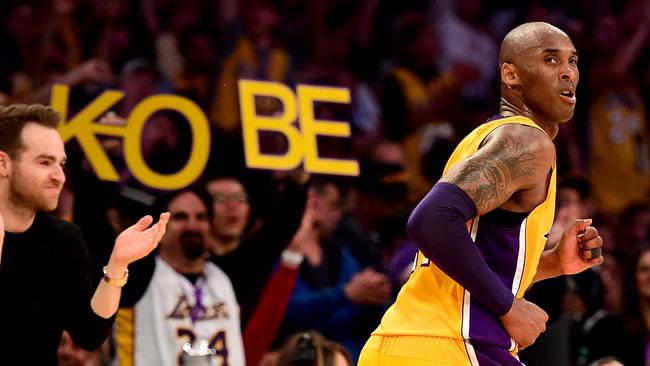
(273, 268)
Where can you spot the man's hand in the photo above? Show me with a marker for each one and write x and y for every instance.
(524, 322)
(579, 248)
(136, 242)
(95, 70)
(368, 287)
(306, 232)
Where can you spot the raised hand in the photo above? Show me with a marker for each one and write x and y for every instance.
(579, 248)
(306, 232)
(95, 70)
(138, 240)
(524, 322)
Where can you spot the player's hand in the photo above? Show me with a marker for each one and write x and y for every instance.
(136, 242)
(579, 248)
(524, 322)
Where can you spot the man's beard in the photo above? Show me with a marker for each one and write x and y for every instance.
(192, 244)
(22, 194)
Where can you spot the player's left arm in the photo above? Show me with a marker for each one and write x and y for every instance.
(579, 248)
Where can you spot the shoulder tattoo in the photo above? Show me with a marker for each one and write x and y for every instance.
(489, 176)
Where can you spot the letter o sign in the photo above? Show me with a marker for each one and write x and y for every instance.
(200, 142)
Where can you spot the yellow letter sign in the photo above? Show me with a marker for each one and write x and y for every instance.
(300, 145)
(82, 127)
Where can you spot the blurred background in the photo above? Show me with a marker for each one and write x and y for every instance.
(421, 73)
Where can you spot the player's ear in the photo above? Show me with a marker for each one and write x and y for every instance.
(510, 75)
(5, 164)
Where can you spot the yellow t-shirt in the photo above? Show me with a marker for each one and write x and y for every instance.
(620, 174)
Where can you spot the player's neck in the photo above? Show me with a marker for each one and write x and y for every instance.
(17, 218)
(508, 108)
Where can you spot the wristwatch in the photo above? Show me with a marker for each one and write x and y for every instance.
(117, 282)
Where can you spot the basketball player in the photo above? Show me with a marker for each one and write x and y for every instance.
(481, 229)
(45, 268)
(184, 298)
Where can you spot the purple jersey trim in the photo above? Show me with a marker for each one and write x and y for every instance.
(498, 240)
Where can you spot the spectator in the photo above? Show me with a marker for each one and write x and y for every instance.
(619, 138)
(248, 257)
(264, 325)
(626, 335)
(334, 294)
(181, 297)
(44, 263)
(312, 349)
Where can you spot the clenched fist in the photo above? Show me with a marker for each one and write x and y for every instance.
(524, 322)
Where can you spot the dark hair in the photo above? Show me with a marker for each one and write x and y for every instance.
(13, 119)
(319, 182)
(310, 348)
(633, 210)
(387, 181)
(162, 202)
(578, 183)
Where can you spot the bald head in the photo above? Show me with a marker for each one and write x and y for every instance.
(525, 36)
(539, 74)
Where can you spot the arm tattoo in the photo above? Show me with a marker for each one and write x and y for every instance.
(487, 178)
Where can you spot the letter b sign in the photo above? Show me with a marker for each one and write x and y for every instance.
(302, 142)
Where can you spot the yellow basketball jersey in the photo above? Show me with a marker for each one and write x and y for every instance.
(433, 304)
(619, 148)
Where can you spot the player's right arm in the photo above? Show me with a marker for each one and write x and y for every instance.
(514, 158)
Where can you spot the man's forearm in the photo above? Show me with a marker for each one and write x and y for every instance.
(106, 299)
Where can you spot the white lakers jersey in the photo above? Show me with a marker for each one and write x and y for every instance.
(173, 311)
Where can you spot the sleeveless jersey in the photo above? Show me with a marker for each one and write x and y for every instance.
(433, 304)
(154, 331)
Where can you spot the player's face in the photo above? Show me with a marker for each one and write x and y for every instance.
(37, 175)
(327, 212)
(549, 76)
(231, 208)
(643, 275)
(188, 226)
